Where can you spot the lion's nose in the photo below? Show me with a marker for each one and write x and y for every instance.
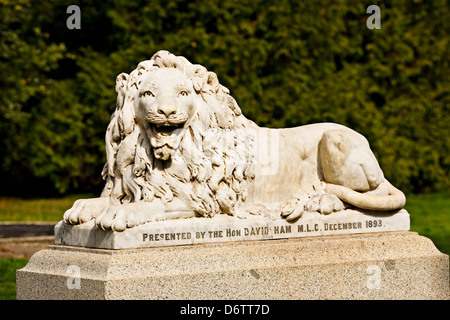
(167, 109)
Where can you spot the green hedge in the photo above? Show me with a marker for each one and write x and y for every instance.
(286, 62)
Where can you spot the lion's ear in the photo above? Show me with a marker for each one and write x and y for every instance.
(121, 81)
(198, 74)
(213, 81)
(232, 104)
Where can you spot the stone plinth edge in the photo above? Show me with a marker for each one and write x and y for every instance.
(224, 228)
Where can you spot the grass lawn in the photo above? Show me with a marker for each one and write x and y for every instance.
(8, 267)
(16, 209)
(430, 217)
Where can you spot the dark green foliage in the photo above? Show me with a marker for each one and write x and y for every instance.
(287, 63)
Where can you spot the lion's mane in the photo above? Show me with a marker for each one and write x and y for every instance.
(213, 164)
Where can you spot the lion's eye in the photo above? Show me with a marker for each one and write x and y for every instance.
(183, 93)
(148, 94)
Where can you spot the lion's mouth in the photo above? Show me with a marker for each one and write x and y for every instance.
(166, 129)
(165, 138)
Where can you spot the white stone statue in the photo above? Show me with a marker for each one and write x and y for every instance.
(178, 146)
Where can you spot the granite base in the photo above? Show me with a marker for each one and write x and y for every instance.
(387, 265)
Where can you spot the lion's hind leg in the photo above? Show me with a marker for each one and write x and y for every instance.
(352, 173)
(345, 159)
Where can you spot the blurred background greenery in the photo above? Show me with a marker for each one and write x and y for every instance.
(287, 63)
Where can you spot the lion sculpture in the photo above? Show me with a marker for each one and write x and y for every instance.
(178, 146)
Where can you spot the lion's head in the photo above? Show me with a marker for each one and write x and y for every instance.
(164, 107)
(176, 132)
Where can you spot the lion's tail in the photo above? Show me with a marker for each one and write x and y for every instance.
(393, 201)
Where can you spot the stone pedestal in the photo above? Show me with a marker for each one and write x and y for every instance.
(387, 265)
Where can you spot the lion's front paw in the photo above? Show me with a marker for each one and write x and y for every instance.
(325, 204)
(115, 218)
(84, 210)
(293, 209)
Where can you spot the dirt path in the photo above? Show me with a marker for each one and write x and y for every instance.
(22, 240)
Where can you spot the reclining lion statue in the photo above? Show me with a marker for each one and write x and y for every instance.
(178, 146)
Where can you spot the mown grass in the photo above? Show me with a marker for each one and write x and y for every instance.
(430, 217)
(8, 267)
(17, 209)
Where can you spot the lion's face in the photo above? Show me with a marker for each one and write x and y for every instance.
(164, 107)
